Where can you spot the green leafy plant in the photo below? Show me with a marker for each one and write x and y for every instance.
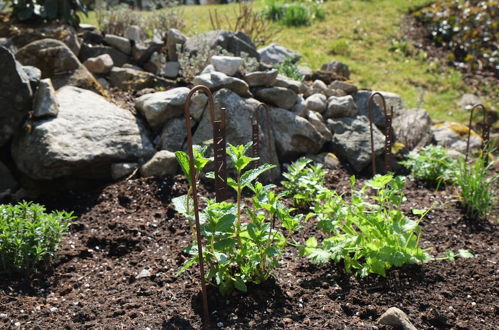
(304, 181)
(29, 237)
(183, 204)
(64, 10)
(431, 165)
(477, 189)
(243, 243)
(291, 13)
(289, 69)
(371, 234)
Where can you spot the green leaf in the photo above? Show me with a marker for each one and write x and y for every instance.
(232, 183)
(180, 203)
(240, 285)
(225, 244)
(187, 265)
(252, 174)
(319, 256)
(183, 160)
(225, 223)
(418, 211)
(465, 253)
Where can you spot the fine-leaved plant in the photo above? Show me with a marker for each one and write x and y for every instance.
(477, 189)
(29, 237)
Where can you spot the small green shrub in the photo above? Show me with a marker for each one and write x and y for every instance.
(289, 69)
(64, 10)
(431, 165)
(477, 189)
(296, 15)
(291, 13)
(29, 237)
(304, 181)
(244, 243)
(371, 234)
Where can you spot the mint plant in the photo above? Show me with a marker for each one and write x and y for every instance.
(243, 243)
(477, 189)
(29, 237)
(304, 180)
(371, 234)
(183, 204)
(431, 165)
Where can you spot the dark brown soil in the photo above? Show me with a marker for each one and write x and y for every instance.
(129, 226)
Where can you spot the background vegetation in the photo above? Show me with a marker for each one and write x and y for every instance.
(369, 37)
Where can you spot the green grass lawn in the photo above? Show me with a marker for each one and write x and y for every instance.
(367, 36)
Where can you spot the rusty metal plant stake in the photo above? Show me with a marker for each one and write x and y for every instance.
(194, 189)
(485, 129)
(388, 132)
(388, 140)
(255, 137)
(220, 155)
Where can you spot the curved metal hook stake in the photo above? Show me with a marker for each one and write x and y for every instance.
(485, 129)
(192, 168)
(219, 143)
(388, 125)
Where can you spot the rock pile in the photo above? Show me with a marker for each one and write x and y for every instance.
(54, 124)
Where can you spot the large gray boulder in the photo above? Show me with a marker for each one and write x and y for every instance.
(226, 64)
(261, 78)
(173, 135)
(341, 106)
(275, 54)
(45, 103)
(286, 82)
(338, 68)
(218, 80)
(234, 42)
(277, 96)
(316, 102)
(173, 38)
(59, 63)
(15, 96)
(392, 100)
(352, 141)
(88, 135)
(294, 135)
(239, 114)
(132, 79)
(159, 107)
(413, 129)
(120, 43)
(119, 58)
(454, 136)
(162, 163)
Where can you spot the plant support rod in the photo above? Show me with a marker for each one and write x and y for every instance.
(388, 132)
(192, 168)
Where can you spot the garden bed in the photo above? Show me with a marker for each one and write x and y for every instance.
(117, 269)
